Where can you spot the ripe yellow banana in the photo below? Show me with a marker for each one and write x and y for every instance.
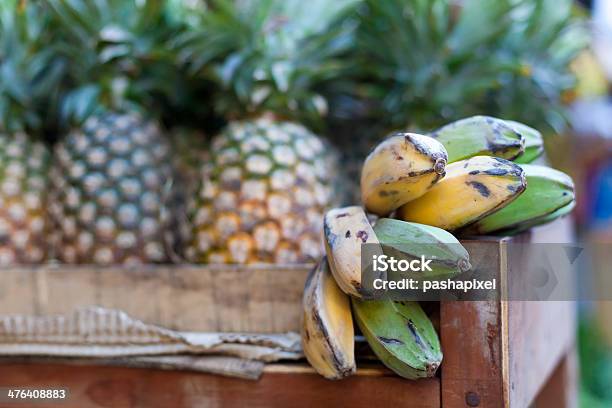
(471, 190)
(401, 168)
(345, 230)
(328, 338)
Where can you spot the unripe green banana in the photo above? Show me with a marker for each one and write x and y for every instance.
(480, 136)
(328, 338)
(401, 335)
(561, 212)
(534, 143)
(345, 230)
(401, 168)
(548, 190)
(408, 240)
(471, 190)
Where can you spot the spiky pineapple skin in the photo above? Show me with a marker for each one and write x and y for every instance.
(23, 190)
(262, 195)
(111, 200)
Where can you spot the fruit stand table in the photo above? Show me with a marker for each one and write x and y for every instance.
(496, 353)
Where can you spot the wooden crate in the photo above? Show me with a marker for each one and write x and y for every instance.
(496, 353)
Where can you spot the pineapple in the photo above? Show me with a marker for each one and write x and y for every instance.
(418, 65)
(112, 177)
(26, 81)
(263, 195)
(269, 178)
(444, 60)
(23, 183)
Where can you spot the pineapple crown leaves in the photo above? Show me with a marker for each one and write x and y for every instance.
(270, 55)
(445, 60)
(29, 75)
(116, 54)
(555, 36)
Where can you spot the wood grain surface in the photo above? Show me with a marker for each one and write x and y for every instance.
(220, 298)
(280, 386)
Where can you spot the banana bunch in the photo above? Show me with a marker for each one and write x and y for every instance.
(488, 160)
(470, 177)
(399, 333)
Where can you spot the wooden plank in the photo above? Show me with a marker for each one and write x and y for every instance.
(540, 333)
(18, 293)
(472, 367)
(129, 387)
(471, 335)
(502, 352)
(204, 298)
(561, 389)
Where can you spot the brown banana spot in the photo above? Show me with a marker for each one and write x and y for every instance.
(362, 235)
(348, 234)
(387, 193)
(481, 188)
(342, 215)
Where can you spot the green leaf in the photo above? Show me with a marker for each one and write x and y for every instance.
(80, 103)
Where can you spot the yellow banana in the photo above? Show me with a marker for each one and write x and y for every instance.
(471, 190)
(401, 168)
(345, 230)
(328, 339)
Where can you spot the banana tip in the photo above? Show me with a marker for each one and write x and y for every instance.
(464, 265)
(431, 369)
(440, 166)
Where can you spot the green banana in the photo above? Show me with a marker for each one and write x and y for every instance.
(548, 190)
(410, 240)
(534, 143)
(561, 212)
(401, 335)
(480, 136)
